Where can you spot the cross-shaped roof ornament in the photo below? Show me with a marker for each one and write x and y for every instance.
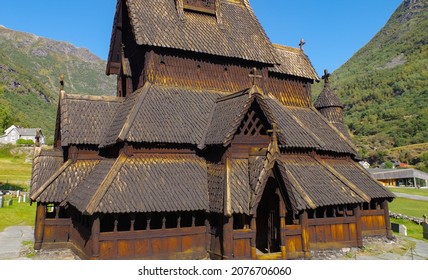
(302, 42)
(274, 144)
(326, 76)
(254, 76)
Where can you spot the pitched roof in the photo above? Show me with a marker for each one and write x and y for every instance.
(64, 180)
(327, 98)
(355, 173)
(83, 118)
(164, 114)
(161, 114)
(233, 32)
(147, 183)
(322, 186)
(293, 62)
(45, 163)
(28, 131)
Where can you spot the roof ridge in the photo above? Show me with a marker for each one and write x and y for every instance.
(106, 98)
(105, 184)
(287, 48)
(123, 134)
(347, 140)
(342, 178)
(40, 190)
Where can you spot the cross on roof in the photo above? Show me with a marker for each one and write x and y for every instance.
(274, 132)
(326, 76)
(254, 75)
(302, 42)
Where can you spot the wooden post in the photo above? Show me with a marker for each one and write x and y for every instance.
(228, 237)
(207, 234)
(40, 226)
(253, 238)
(358, 228)
(95, 232)
(387, 221)
(305, 233)
(282, 240)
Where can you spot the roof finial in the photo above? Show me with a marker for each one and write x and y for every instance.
(61, 82)
(253, 74)
(274, 144)
(326, 77)
(302, 42)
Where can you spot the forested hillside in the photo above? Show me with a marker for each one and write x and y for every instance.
(30, 67)
(384, 86)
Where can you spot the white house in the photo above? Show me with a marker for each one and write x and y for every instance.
(13, 133)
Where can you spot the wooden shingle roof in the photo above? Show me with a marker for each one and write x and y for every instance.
(160, 114)
(64, 180)
(293, 62)
(319, 183)
(45, 164)
(83, 118)
(327, 98)
(237, 33)
(146, 183)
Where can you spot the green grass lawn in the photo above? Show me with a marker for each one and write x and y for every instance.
(409, 207)
(413, 230)
(17, 214)
(13, 168)
(421, 192)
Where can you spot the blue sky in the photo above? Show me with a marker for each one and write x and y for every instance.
(333, 29)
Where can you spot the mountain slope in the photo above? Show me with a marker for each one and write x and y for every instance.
(30, 67)
(384, 86)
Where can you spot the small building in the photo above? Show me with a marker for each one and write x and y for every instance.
(400, 177)
(14, 133)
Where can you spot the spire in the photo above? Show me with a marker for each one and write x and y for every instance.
(330, 106)
(327, 97)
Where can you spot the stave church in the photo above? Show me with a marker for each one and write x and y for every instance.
(211, 149)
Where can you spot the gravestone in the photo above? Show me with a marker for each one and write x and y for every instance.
(19, 199)
(1, 200)
(425, 230)
(395, 227)
(9, 202)
(24, 197)
(403, 230)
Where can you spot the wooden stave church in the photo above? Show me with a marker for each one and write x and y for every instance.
(211, 148)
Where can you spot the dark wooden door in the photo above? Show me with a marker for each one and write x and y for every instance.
(268, 220)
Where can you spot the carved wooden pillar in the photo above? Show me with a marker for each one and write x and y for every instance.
(387, 221)
(305, 232)
(358, 228)
(95, 232)
(132, 222)
(40, 225)
(283, 214)
(253, 238)
(228, 237)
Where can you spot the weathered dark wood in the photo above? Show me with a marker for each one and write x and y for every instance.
(39, 228)
(357, 213)
(96, 237)
(228, 237)
(305, 233)
(385, 208)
